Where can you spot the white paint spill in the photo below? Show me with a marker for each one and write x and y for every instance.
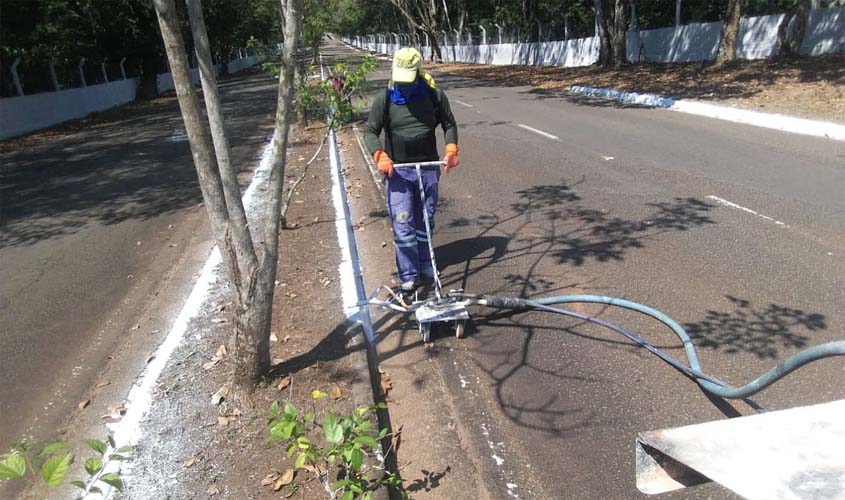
(538, 131)
(127, 431)
(729, 204)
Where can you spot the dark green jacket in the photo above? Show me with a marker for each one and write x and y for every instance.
(410, 121)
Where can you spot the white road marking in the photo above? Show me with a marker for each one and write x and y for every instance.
(127, 431)
(729, 204)
(537, 131)
(462, 103)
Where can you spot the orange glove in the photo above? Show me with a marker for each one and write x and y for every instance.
(451, 157)
(384, 163)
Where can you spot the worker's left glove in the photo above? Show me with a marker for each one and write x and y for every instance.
(451, 159)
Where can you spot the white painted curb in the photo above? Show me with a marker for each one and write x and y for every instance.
(785, 123)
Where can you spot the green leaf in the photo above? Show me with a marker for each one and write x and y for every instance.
(303, 442)
(53, 448)
(357, 459)
(291, 449)
(290, 410)
(96, 490)
(309, 417)
(348, 495)
(366, 441)
(300, 461)
(111, 441)
(78, 484)
(13, 467)
(274, 409)
(93, 466)
(113, 480)
(54, 470)
(97, 445)
(367, 496)
(125, 449)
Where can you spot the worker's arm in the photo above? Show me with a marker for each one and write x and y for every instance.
(375, 124)
(447, 119)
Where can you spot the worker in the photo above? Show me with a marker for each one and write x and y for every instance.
(409, 112)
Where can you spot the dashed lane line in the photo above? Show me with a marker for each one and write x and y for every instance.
(538, 131)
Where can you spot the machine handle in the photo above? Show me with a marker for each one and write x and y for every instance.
(420, 164)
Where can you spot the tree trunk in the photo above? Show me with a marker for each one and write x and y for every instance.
(619, 33)
(252, 336)
(252, 280)
(602, 33)
(790, 41)
(198, 135)
(730, 31)
(242, 239)
(436, 53)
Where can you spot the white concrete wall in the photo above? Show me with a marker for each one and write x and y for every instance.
(691, 42)
(19, 115)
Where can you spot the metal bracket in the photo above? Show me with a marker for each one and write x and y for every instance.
(791, 454)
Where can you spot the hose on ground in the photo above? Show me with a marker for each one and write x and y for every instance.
(693, 368)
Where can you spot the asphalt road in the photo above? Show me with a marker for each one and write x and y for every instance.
(734, 231)
(100, 234)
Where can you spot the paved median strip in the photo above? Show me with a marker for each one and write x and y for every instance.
(538, 131)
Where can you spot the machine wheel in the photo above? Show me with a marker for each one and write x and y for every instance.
(425, 332)
(459, 328)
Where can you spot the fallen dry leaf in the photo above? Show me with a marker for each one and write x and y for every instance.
(335, 393)
(273, 337)
(284, 383)
(269, 479)
(386, 385)
(221, 394)
(190, 462)
(221, 351)
(103, 384)
(211, 364)
(219, 320)
(84, 404)
(285, 339)
(223, 421)
(381, 370)
(212, 490)
(287, 477)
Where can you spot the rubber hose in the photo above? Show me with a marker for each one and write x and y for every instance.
(708, 383)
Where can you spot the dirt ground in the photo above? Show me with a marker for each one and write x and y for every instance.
(194, 449)
(809, 87)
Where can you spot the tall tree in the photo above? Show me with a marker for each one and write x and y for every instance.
(611, 29)
(730, 31)
(251, 273)
(793, 27)
(423, 15)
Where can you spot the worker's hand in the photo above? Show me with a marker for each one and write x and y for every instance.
(451, 159)
(384, 163)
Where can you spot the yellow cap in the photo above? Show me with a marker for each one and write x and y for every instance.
(406, 65)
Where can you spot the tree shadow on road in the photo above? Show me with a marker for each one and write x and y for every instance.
(762, 331)
(136, 166)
